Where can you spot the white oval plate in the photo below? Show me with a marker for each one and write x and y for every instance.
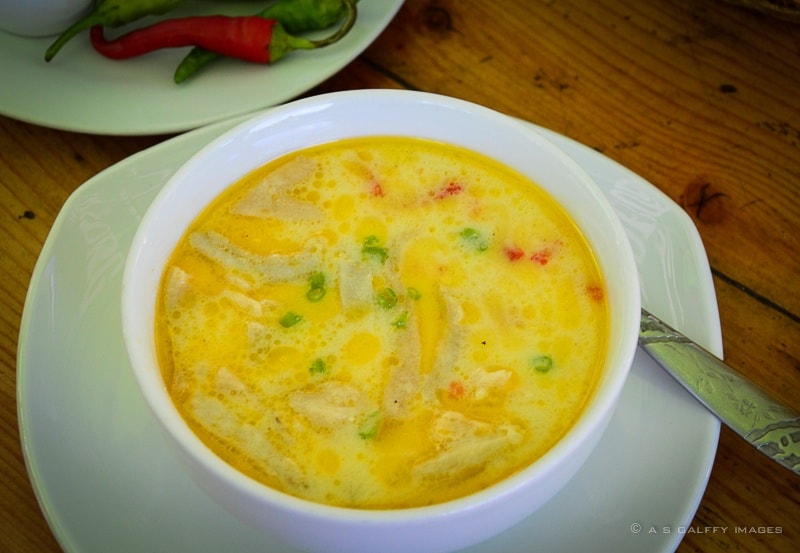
(107, 480)
(79, 90)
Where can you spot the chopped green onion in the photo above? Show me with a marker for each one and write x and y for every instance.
(542, 363)
(290, 318)
(317, 289)
(414, 294)
(474, 239)
(318, 366)
(386, 298)
(401, 321)
(317, 279)
(372, 248)
(469, 233)
(369, 427)
(315, 294)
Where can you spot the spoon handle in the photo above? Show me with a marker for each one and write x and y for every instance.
(767, 424)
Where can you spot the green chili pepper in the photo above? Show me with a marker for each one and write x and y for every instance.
(296, 16)
(542, 363)
(372, 248)
(289, 319)
(299, 16)
(111, 13)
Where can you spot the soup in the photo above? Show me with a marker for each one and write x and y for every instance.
(381, 322)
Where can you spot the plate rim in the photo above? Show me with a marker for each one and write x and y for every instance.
(209, 133)
(19, 101)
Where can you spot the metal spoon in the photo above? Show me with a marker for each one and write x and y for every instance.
(767, 424)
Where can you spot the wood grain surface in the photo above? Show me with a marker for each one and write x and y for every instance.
(699, 97)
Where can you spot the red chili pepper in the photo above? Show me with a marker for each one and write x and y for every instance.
(249, 38)
(456, 390)
(542, 257)
(246, 38)
(595, 292)
(513, 253)
(377, 190)
(451, 189)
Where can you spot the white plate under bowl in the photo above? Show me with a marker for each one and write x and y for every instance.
(79, 90)
(107, 479)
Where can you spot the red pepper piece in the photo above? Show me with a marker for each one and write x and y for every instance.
(513, 253)
(377, 190)
(456, 390)
(595, 292)
(542, 257)
(451, 189)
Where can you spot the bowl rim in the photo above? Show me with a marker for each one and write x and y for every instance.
(599, 406)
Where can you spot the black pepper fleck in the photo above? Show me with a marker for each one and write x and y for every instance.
(727, 88)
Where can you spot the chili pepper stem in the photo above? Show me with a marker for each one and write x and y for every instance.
(292, 42)
(79, 26)
(284, 43)
(350, 20)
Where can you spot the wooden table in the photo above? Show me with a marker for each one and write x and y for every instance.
(699, 97)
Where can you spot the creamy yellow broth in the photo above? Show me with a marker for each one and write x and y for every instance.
(382, 323)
